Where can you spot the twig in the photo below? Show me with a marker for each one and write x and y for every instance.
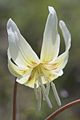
(54, 114)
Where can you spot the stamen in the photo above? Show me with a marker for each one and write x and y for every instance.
(38, 96)
(56, 94)
(47, 88)
(44, 94)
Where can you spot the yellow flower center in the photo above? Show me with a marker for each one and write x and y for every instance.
(38, 68)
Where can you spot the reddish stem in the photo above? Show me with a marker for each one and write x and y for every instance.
(54, 114)
(14, 100)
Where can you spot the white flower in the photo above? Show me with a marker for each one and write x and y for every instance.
(31, 71)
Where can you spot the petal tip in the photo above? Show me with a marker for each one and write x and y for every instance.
(61, 22)
(51, 9)
(10, 21)
(62, 26)
(11, 25)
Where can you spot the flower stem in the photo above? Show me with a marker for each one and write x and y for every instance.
(14, 100)
(54, 114)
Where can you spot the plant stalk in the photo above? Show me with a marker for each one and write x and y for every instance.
(58, 111)
(14, 100)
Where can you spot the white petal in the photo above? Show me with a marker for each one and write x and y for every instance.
(23, 79)
(50, 75)
(66, 34)
(59, 73)
(19, 49)
(15, 69)
(62, 60)
(51, 39)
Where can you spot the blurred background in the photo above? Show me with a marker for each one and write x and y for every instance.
(30, 16)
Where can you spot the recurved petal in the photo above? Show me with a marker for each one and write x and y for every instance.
(61, 61)
(66, 34)
(15, 69)
(23, 79)
(51, 75)
(51, 38)
(19, 49)
(58, 73)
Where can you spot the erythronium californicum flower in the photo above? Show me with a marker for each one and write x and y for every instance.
(31, 71)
